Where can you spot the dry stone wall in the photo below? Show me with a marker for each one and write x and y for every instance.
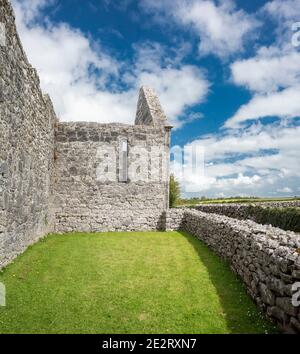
(241, 210)
(52, 175)
(266, 258)
(26, 147)
(86, 201)
(285, 215)
(175, 218)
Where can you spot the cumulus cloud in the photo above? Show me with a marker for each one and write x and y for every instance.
(221, 27)
(273, 74)
(86, 83)
(284, 14)
(271, 69)
(273, 77)
(287, 10)
(256, 160)
(260, 158)
(285, 190)
(283, 104)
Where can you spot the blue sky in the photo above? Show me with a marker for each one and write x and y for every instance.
(227, 73)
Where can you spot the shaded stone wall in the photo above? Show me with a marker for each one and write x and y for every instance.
(278, 214)
(26, 147)
(87, 153)
(266, 258)
(241, 210)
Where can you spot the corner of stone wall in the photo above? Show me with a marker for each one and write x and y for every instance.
(149, 110)
(27, 147)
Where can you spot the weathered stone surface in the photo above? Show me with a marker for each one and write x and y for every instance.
(108, 204)
(296, 324)
(263, 256)
(175, 218)
(149, 110)
(279, 314)
(27, 146)
(49, 181)
(49, 171)
(246, 211)
(296, 274)
(266, 295)
(285, 303)
(240, 210)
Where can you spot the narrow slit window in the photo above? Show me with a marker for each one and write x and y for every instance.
(123, 166)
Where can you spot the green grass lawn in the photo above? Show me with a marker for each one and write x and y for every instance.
(152, 282)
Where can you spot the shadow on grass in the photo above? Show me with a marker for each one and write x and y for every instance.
(240, 311)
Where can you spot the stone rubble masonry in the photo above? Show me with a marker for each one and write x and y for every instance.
(48, 169)
(85, 203)
(240, 210)
(244, 211)
(48, 183)
(149, 110)
(26, 147)
(266, 258)
(2, 35)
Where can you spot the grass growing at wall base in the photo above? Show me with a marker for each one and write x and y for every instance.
(150, 282)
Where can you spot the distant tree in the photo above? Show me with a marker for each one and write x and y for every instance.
(174, 193)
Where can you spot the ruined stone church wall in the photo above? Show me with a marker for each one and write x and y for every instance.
(26, 146)
(53, 175)
(89, 195)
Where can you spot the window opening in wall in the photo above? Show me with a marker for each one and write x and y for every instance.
(123, 161)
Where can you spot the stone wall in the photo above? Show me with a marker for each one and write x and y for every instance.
(241, 210)
(73, 176)
(175, 218)
(26, 147)
(273, 213)
(88, 193)
(149, 110)
(266, 258)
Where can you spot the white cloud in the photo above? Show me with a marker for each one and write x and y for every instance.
(85, 83)
(253, 161)
(272, 68)
(285, 14)
(283, 104)
(273, 76)
(283, 10)
(177, 89)
(27, 11)
(285, 190)
(221, 27)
